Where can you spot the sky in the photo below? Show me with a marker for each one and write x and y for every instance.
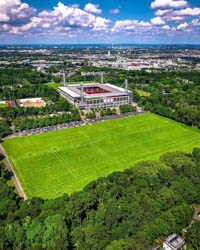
(99, 22)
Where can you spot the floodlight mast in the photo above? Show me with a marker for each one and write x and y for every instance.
(64, 78)
(126, 86)
(81, 85)
(102, 80)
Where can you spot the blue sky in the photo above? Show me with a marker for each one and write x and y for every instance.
(99, 21)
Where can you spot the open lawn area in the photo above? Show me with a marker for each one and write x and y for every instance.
(3, 105)
(143, 93)
(57, 85)
(53, 163)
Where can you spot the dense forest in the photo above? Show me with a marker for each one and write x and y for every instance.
(24, 76)
(126, 210)
(181, 105)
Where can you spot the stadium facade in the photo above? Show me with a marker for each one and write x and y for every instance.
(96, 95)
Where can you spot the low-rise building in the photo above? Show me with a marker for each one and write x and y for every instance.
(174, 242)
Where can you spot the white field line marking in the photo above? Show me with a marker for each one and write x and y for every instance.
(67, 166)
(59, 184)
(145, 153)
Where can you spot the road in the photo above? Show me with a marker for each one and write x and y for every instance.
(14, 177)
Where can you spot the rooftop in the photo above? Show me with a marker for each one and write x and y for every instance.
(175, 241)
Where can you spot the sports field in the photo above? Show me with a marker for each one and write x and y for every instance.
(50, 164)
(57, 85)
(143, 93)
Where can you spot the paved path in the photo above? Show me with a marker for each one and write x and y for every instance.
(196, 214)
(195, 218)
(14, 177)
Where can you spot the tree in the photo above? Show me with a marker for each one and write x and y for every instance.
(196, 155)
(55, 234)
(136, 96)
(25, 82)
(193, 236)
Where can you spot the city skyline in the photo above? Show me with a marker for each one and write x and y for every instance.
(99, 22)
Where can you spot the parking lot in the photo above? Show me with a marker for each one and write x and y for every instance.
(75, 124)
(50, 128)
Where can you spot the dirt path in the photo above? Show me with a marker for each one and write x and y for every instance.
(14, 177)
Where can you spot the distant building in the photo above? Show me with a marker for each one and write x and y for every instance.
(174, 242)
(96, 95)
(91, 73)
(32, 102)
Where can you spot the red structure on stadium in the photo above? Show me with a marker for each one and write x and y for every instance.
(94, 90)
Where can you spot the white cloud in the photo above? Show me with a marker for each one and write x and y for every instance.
(75, 5)
(15, 12)
(114, 11)
(187, 12)
(163, 12)
(166, 27)
(92, 8)
(5, 27)
(157, 21)
(127, 25)
(168, 4)
(172, 18)
(101, 24)
(182, 26)
(195, 22)
(181, 15)
(4, 18)
(17, 18)
(66, 18)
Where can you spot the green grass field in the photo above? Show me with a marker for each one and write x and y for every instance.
(50, 164)
(57, 85)
(3, 105)
(143, 93)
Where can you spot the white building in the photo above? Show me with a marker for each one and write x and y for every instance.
(174, 242)
(96, 95)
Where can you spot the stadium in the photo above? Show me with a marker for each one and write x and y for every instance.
(96, 95)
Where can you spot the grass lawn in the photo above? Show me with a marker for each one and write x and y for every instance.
(50, 164)
(57, 85)
(54, 85)
(143, 93)
(3, 105)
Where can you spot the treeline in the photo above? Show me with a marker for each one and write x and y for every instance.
(182, 106)
(90, 115)
(103, 112)
(126, 210)
(4, 128)
(127, 109)
(59, 106)
(30, 91)
(28, 123)
(108, 112)
(149, 81)
(25, 76)
(193, 236)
